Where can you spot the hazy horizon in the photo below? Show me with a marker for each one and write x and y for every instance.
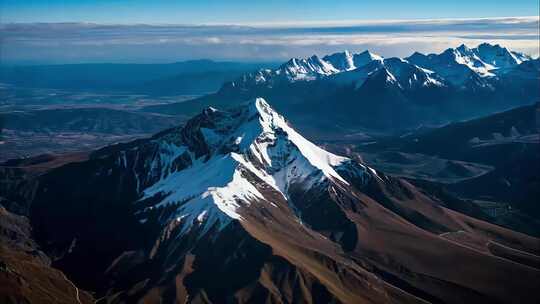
(76, 42)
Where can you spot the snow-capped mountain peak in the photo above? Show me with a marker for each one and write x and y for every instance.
(463, 64)
(306, 69)
(383, 77)
(342, 61)
(469, 57)
(463, 68)
(498, 56)
(411, 76)
(247, 150)
(365, 57)
(463, 49)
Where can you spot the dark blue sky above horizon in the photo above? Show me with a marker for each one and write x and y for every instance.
(249, 11)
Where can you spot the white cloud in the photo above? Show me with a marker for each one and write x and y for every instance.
(42, 42)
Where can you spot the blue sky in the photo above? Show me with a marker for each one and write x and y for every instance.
(250, 11)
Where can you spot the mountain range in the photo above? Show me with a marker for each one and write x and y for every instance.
(236, 206)
(492, 161)
(26, 133)
(98, 120)
(179, 78)
(346, 93)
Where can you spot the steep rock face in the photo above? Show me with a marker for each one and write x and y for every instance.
(236, 206)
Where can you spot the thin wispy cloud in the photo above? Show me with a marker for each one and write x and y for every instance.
(88, 42)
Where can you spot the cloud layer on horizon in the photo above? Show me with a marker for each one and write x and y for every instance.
(86, 42)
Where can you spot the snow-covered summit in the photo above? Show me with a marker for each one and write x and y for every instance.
(499, 56)
(365, 57)
(464, 65)
(343, 61)
(307, 69)
(411, 76)
(231, 159)
(395, 71)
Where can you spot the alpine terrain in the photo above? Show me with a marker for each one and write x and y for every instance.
(348, 94)
(236, 206)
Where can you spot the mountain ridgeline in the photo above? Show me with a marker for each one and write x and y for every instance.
(344, 93)
(179, 78)
(508, 142)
